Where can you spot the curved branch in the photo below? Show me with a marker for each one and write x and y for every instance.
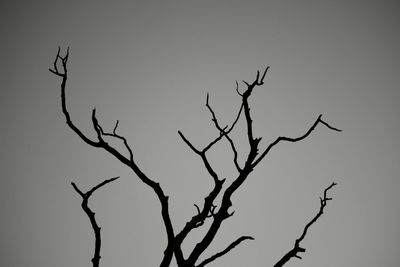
(245, 96)
(208, 210)
(122, 138)
(187, 142)
(296, 139)
(297, 248)
(226, 133)
(64, 75)
(202, 155)
(226, 203)
(222, 253)
(100, 143)
(91, 216)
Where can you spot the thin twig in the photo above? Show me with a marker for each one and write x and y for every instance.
(226, 250)
(226, 132)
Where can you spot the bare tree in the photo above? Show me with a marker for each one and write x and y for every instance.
(209, 210)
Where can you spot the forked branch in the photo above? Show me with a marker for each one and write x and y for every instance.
(223, 212)
(61, 61)
(117, 136)
(296, 139)
(209, 209)
(293, 253)
(225, 133)
(91, 216)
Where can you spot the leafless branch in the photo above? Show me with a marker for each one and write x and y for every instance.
(222, 132)
(100, 143)
(245, 96)
(208, 209)
(222, 253)
(115, 127)
(63, 75)
(237, 89)
(203, 156)
(197, 208)
(117, 136)
(289, 139)
(91, 216)
(212, 211)
(223, 212)
(329, 126)
(91, 191)
(200, 217)
(226, 133)
(195, 150)
(297, 248)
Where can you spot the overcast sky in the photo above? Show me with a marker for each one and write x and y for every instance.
(150, 65)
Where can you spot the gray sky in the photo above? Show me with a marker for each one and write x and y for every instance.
(150, 64)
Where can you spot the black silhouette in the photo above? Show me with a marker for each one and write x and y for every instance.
(209, 209)
(296, 249)
(91, 215)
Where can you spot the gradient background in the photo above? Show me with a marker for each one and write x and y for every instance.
(150, 64)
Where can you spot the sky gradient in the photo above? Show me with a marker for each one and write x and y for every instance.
(150, 64)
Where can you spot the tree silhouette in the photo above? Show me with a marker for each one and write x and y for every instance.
(209, 210)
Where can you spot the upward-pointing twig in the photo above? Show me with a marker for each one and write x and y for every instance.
(296, 249)
(296, 139)
(91, 215)
(226, 250)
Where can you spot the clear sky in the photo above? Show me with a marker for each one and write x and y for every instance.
(150, 65)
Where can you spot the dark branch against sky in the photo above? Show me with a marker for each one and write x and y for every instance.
(175, 241)
(147, 68)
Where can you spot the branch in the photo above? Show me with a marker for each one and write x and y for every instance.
(203, 156)
(296, 249)
(91, 191)
(229, 248)
(207, 211)
(225, 133)
(222, 132)
(59, 60)
(226, 203)
(115, 135)
(91, 216)
(187, 142)
(245, 96)
(237, 89)
(64, 76)
(208, 208)
(289, 139)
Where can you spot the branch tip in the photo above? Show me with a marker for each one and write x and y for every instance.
(116, 126)
(197, 208)
(297, 248)
(328, 125)
(237, 89)
(265, 72)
